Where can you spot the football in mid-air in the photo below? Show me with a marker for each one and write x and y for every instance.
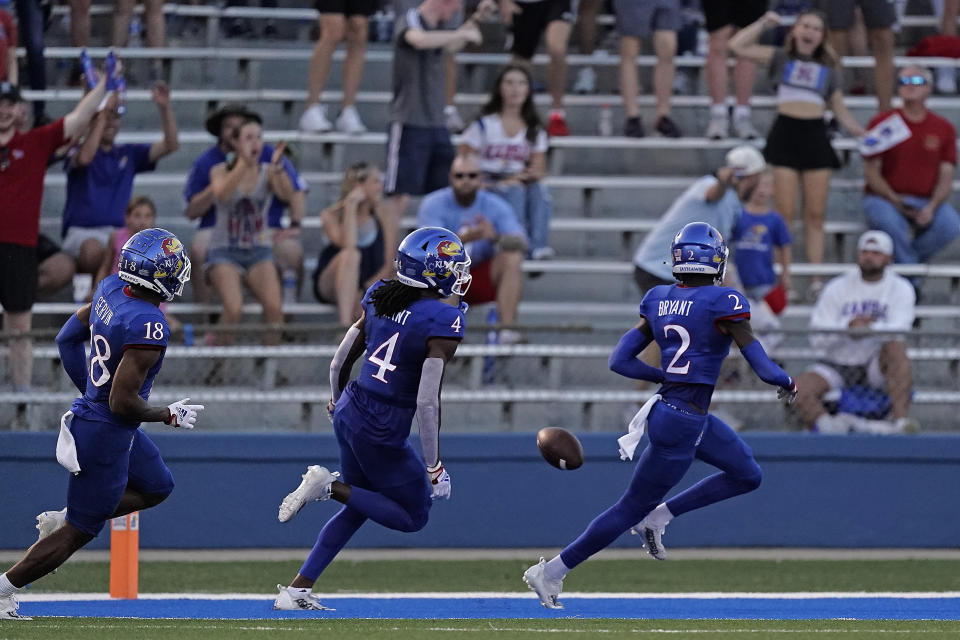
(560, 448)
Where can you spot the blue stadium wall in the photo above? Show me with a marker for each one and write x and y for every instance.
(817, 491)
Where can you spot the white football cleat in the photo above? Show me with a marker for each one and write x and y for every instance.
(652, 539)
(547, 590)
(294, 599)
(314, 120)
(349, 121)
(315, 486)
(8, 608)
(50, 521)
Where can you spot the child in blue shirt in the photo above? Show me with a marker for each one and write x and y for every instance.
(760, 237)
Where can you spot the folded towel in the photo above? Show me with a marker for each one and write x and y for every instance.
(67, 446)
(628, 443)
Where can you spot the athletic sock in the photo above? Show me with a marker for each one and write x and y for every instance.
(6, 587)
(659, 517)
(555, 569)
(741, 111)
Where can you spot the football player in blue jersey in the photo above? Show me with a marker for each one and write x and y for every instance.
(115, 468)
(694, 323)
(409, 329)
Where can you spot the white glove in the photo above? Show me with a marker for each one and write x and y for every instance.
(183, 415)
(331, 406)
(788, 395)
(440, 480)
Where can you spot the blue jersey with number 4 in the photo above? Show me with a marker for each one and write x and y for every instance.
(397, 346)
(683, 321)
(118, 321)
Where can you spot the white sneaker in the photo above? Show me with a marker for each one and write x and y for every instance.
(453, 120)
(543, 253)
(315, 487)
(651, 539)
(907, 425)
(50, 521)
(294, 599)
(349, 121)
(511, 336)
(586, 81)
(743, 128)
(718, 128)
(8, 608)
(314, 120)
(547, 590)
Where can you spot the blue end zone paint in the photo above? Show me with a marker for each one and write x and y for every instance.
(498, 607)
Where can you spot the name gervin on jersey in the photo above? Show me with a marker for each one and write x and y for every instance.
(674, 307)
(103, 310)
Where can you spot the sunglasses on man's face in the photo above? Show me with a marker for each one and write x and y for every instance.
(472, 175)
(912, 81)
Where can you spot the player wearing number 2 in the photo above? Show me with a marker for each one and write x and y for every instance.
(694, 323)
(115, 468)
(409, 329)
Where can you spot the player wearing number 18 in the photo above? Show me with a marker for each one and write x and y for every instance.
(115, 468)
(409, 329)
(694, 323)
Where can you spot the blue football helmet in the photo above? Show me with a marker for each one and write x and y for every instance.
(434, 258)
(699, 248)
(156, 260)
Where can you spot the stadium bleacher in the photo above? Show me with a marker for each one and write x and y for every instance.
(608, 192)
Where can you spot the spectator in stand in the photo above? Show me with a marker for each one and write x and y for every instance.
(723, 18)
(340, 21)
(587, 11)
(100, 178)
(198, 196)
(31, 20)
(910, 176)
(154, 21)
(9, 71)
(241, 242)
(879, 17)
(23, 164)
(495, 240)
(947, 76)
(859, 364)
(529, 20)
(509, 138)
(807, 76)
(79, 35)
(638, 19)
(356, 254)
(419, 150)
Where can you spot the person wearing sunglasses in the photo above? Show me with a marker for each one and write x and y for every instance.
(494, 237)
(909, 183)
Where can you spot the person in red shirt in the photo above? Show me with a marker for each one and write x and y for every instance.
(908, 185)
(8, 47)
(23, 164)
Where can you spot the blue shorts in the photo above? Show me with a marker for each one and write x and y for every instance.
(418, 160)
(111, 459)
(241, 259)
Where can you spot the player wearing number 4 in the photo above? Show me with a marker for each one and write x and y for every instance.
(409, 329)
(115, 468)
(694, 323)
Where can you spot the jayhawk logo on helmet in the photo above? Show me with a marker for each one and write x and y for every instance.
(170, 245)
(449, 248)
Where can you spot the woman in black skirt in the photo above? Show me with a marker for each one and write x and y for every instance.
(807, 75)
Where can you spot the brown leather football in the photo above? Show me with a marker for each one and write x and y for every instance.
(560, 448)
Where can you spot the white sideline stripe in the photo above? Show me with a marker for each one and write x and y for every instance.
(471, 595)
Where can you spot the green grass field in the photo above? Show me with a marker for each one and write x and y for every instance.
(599, 575)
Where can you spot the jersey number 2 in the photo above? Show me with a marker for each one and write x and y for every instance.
(384, 363)
(684, 345)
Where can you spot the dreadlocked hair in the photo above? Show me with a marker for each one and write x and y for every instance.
(393, 297)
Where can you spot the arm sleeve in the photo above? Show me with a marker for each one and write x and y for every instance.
(781, 233)
(541, 144)
(70, 343)
(624, 359)
(428, 409)
(766, 369)
(336, 364)
(141, 158)
(449, 323)
(950, 146)
(197, 180)
(730, 305)
(472, 136)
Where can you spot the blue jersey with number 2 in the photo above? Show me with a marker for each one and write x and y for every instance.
(118, 321)
(683, 321)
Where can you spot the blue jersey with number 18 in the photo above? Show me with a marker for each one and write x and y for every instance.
(118, 321)
(397, 346)
(683, 320)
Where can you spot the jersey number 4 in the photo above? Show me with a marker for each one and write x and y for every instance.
(385, 362)
(684, 345)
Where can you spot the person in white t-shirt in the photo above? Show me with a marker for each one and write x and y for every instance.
(873, 303)
(511, 142)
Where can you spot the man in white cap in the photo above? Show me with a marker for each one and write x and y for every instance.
(875, 306)
(716, 199)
